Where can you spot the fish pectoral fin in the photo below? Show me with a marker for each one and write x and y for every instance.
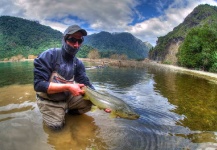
(94, 108)
(112, 115)
(85, 97)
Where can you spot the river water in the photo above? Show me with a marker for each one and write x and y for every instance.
(177, 111)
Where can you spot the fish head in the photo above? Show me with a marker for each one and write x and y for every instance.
(127, 113)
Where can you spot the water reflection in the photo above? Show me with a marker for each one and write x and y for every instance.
(22, 128)
(20, 120)
(177, 112)
(16, 98)
(195, 99)
(117, 78)
(16, 73)
(79, 133)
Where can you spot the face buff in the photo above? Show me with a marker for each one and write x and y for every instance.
(69, 50)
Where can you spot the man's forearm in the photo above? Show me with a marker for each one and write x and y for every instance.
(74, 89)
(57, 87)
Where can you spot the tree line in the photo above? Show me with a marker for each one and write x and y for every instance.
(199, 49)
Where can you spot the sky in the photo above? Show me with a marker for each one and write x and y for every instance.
(145, 19)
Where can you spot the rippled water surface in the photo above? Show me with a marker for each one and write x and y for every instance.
(178, 111)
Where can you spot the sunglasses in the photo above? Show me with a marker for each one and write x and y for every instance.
(74, 40)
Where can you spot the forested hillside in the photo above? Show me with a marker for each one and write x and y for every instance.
(21, 36)
(24, 37)
(200, 29)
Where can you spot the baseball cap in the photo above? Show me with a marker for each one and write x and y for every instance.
(74, 28)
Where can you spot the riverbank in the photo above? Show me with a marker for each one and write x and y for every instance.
(146, 63)
(5, 61)
(202, 74)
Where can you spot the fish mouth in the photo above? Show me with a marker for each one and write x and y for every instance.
(135, 116)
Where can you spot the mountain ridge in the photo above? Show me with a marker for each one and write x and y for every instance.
(119, 42)
(167, 46)
(27, 37)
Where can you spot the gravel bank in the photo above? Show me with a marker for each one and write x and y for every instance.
(203, 74)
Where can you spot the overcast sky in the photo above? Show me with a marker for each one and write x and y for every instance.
(145, 19)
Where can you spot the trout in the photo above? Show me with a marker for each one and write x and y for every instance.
(117, 106)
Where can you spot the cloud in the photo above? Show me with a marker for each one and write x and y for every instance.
(161, 4)
(10, 8)
(149, 30)
(96, 15)
(104, 15)
(109, 15)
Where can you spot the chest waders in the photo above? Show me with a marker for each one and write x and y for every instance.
(57, 78)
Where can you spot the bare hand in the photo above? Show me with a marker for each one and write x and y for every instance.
(107, 110)
(75, 89)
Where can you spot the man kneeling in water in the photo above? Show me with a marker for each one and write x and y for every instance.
(55, 71)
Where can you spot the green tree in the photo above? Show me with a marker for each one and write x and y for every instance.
(199, 49)
(94, 54)
(84, 51)
(25, 37)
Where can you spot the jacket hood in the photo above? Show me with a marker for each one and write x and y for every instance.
(69, 51)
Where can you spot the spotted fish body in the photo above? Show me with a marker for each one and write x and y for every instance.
(117, 106)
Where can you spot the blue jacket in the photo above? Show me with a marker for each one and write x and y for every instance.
(57, 59)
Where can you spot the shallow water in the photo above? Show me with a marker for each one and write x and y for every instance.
(177, 111)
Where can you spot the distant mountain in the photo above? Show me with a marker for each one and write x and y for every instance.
(168, 45)
(25, 37)
(118, 43)
(148, 45)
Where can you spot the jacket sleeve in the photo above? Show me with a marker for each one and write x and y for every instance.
(43, 68)
(80, 74)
